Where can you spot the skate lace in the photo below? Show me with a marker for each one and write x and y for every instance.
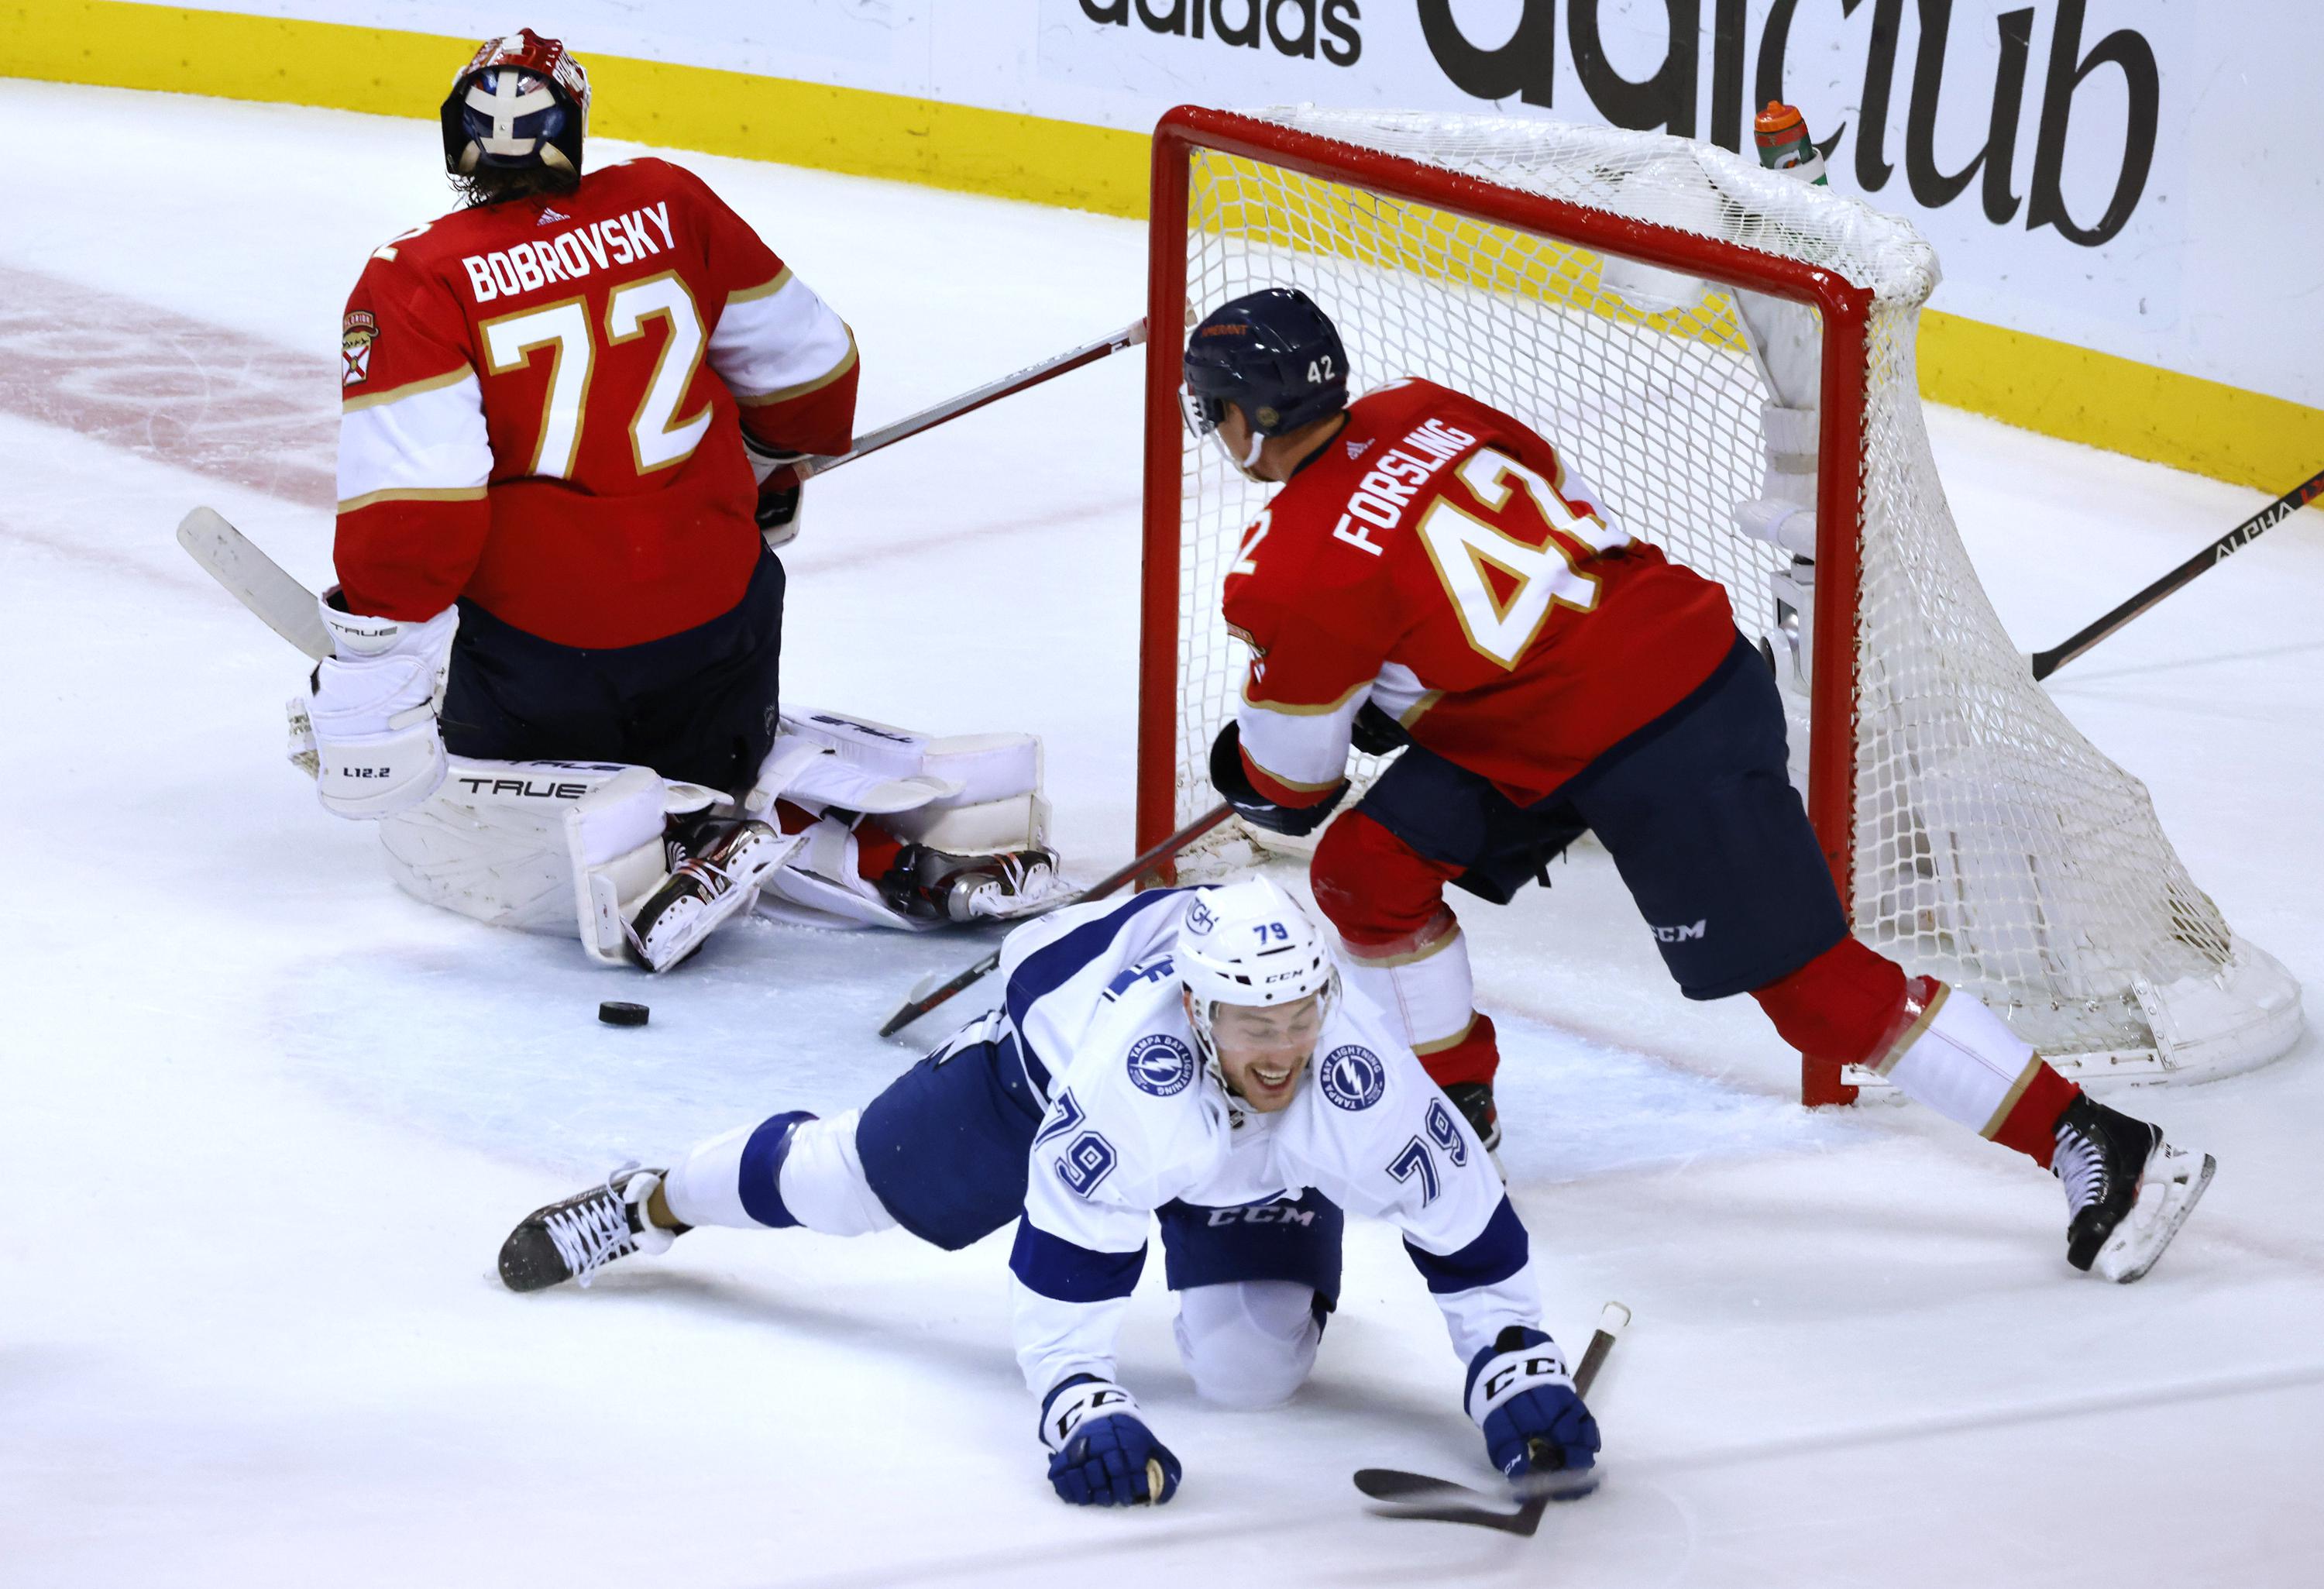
(596, 1230)
(2080, 1166)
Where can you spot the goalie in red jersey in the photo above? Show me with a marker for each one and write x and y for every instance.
(1435, 575)
(569, 414)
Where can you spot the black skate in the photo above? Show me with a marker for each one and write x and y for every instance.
(2127, 1190)
(933, 885)
(715, 865)
(573, 1239)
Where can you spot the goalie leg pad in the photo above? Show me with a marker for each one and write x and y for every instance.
(971, 793)
(491, 843)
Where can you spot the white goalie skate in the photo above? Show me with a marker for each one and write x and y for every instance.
(724, 861)
(2127, 1190)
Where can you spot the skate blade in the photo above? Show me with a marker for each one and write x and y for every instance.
(2136, 1244)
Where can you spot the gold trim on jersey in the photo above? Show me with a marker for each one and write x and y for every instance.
(413, 493)
(846, 362)
(1420, 709)
(1290, 711)
(674, 427)
(766, 289)
(348, 405)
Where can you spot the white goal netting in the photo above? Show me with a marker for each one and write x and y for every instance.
(1993, 845)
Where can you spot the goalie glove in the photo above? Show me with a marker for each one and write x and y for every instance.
(1100, 1453)
(1232, 781)
(1521, 1395)
(372, 712)
(781, 486)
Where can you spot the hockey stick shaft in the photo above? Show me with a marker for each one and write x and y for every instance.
(2049, 661)
(968, 402)
(255, 580)
(913, 1009)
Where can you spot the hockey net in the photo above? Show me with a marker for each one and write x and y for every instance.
(1588, 281)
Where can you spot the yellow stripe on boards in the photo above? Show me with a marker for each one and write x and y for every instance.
(2205, 427)
(2052, 387)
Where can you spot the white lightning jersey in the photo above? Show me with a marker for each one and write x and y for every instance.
(1136, 1120)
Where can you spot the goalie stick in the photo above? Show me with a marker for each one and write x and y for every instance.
(2049, 661)
(1442, 1500)
(920, 1003)
(255, 580)
(968, 402)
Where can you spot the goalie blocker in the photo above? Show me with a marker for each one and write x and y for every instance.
(643, 868)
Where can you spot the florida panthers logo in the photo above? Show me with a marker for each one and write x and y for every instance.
(1352, 1076)
(1161, 1064)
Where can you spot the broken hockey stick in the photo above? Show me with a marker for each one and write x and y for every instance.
(255, 580)
(1442, 1500)
(968, 402)
(2049, 661)
(919, 1004)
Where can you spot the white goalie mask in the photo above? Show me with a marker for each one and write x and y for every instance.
(1251, 943)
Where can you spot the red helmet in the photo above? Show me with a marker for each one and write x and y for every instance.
(520, 101)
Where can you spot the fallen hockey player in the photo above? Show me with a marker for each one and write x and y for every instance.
(1189, 1056)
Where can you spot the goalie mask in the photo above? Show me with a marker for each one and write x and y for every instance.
(1274, 355)
(520, 101)
(1252, 944)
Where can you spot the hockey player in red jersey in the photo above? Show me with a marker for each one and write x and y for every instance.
(569, 409)
(1437, 576)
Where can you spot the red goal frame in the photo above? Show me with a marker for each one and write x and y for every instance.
(1846, 311)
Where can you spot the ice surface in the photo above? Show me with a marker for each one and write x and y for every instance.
(265, 1120)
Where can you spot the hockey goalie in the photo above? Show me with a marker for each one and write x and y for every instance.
(569, 412)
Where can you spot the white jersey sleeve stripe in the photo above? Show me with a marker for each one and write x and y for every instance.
(430, 438)
(771, 346)
(1304, 749)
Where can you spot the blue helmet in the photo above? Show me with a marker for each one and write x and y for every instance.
(1272, 354)
(520, 101)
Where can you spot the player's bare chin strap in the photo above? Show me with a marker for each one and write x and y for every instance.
(1242, 465)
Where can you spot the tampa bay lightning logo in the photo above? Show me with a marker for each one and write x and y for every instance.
(1353, 1077)
(1161, 1064)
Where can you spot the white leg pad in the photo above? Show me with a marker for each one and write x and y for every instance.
(1962, 1061)
(614, 844)
(820, 885)
(823, 1182)
(1427, 992)
(491, 843)
(1250, 1343)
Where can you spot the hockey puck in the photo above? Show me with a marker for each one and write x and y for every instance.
(614, 1012)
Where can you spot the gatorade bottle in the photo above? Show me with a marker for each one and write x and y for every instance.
(1782, 134)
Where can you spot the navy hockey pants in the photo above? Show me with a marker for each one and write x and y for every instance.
(699, 704)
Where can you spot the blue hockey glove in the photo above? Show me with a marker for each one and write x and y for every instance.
(1101, 1454)
(1235, 786)
(1521, 1395)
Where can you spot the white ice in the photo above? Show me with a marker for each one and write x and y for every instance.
(263, 1121)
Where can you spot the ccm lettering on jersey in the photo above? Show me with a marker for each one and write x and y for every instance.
(1381, 496)
(570, 255)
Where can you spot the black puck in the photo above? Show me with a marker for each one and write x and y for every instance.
(614, 1012)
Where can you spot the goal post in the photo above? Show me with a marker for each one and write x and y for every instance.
(1595, 283)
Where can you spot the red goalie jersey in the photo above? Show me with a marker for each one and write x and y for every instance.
(541, 400)
(1440, 558)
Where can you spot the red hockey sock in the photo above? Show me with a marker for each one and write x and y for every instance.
(876, 850)
(1474, 1056)
(1839, 1006)
(1374, 888)
(2031, 1126)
